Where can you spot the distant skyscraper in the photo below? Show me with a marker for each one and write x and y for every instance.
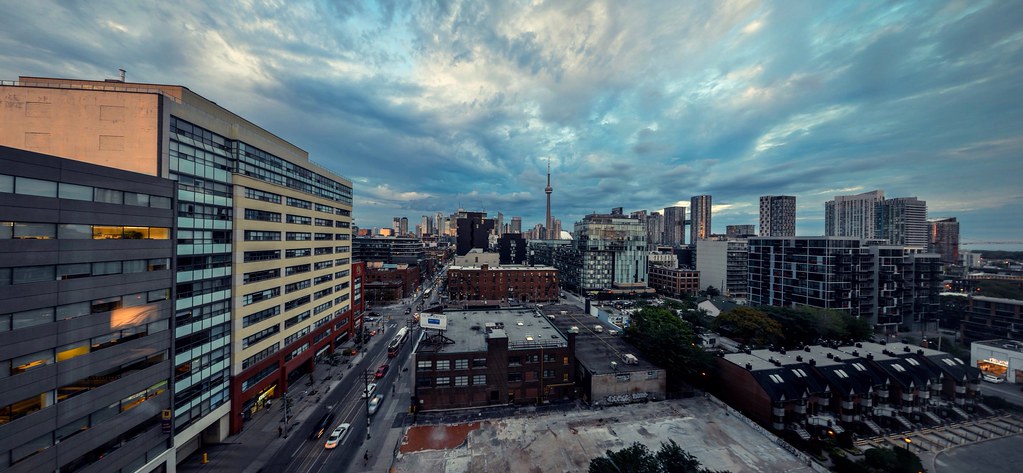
(943, 234)
(903, 221)
(778, 215)
(404, 226)
(853, 215)
(500, 224)
(674, 226)
(700, 214)
(548, 223)
(438, 223)
(655, 228)
(396, 225)
(473, 231)
(427, 228)
(516, 225)
(740, 231)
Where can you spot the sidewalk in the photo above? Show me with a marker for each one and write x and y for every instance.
(258, 441)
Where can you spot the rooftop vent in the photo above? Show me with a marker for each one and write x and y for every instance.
(830, 356)
(799, 357)
(870, 356)
(906, 349)
(859, 345)
(749, 366)
(813, 362)
(920, 352)
(856, 353)
(782, 351)
(837, 359)
(806, 349)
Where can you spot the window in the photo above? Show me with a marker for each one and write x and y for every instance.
(297, 252)
(261, 335)
(443, 382)
(324, 208)
(297, 302)
(31, 274)
(134, 198)
(75, 192)
(549, 373)
(479, 363)
(461, 364)
(323, 236)
(259, 235)
(296, 286)
(28, 186)
(299, 219)
(257, 276)
(297, 269)
(260, 296)
(262, 215)
(297, 236)
(262, 195)
(302, 204)
(443, 364)
(261, 316)
(323, 222)
(292, 321)
(461, 381)
(109, 267)
(514, 377)
(479, 379)
(6, 183)
(34, 231)
(108, 195)
(265, 255)
(424, 365)
(74, 271)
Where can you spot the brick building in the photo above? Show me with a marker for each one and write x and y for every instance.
(493, 357)
(522, 283)
(674, 282)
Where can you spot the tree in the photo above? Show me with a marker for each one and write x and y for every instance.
(750, 325)
(712, 291)
(669, 342)
(638, 459)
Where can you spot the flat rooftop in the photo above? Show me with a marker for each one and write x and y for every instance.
(596, 350)
(524, 328)
(1003, 344)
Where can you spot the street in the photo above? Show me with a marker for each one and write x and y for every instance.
(301, 454)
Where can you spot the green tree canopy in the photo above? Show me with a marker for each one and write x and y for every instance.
(750, 325)
(669, 342)
(639, 459)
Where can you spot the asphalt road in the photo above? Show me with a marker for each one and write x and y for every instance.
(303, 455)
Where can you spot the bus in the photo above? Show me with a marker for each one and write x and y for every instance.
(396, 343)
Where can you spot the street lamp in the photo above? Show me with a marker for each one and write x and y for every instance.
(908, 441)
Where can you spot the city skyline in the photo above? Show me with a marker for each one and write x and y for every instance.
(430, 108)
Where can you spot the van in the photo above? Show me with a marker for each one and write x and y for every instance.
(992, 378)
(598, 328)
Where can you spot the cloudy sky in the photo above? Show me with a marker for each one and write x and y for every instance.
(437, 105)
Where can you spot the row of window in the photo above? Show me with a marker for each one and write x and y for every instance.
(262, 355)
(63, 190)
(71, 231)
(260, 335)
(266, 235)
(43, 315)
(24, 363)
(35, 403)
(446, 381)
(264, 166)
(32, 274)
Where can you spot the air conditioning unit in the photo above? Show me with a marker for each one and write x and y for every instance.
(630, 359)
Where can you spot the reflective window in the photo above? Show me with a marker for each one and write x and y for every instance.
(31, 274)
(70, 231)
(134, 198)
(35, 231)
(6, 183)
(109, 196)
(75, 192)
(28, 186)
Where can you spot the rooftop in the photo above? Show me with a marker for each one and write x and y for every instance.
(1002, 343)
(524, 328)
(596, 350)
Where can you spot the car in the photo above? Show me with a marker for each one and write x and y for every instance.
(408, 310)
(369, 390)
(323, 424)
(372, 333)
(374, 403)
(338, 436)
(992, 378)
(382, 370)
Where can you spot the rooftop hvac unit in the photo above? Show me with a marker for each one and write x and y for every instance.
(573, 329)
(630, 359)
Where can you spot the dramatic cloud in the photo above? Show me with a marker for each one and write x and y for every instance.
(431, 106)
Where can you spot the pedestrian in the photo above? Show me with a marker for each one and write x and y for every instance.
(280, 431)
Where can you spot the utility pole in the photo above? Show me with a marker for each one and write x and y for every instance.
(365, 379)
(286, 414)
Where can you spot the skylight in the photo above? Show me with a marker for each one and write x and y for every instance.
(777, 379)
(912, 362)
(841, 373)
(898, 367)
(859, 367)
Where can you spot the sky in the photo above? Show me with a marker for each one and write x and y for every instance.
(438, 105)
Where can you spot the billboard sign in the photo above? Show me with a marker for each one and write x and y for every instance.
(434, 321)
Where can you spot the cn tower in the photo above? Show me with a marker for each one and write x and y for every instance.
(548, 190)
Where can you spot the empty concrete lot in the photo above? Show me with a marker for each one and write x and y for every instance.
(566, 442)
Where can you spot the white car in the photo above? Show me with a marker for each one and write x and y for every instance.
(374, 403)
(369, 390)
(992, 378)
(338, 436)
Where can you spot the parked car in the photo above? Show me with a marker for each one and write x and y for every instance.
(374, 403)
(338, 436)
(992, 378)
(369, 390)
(382, 370)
